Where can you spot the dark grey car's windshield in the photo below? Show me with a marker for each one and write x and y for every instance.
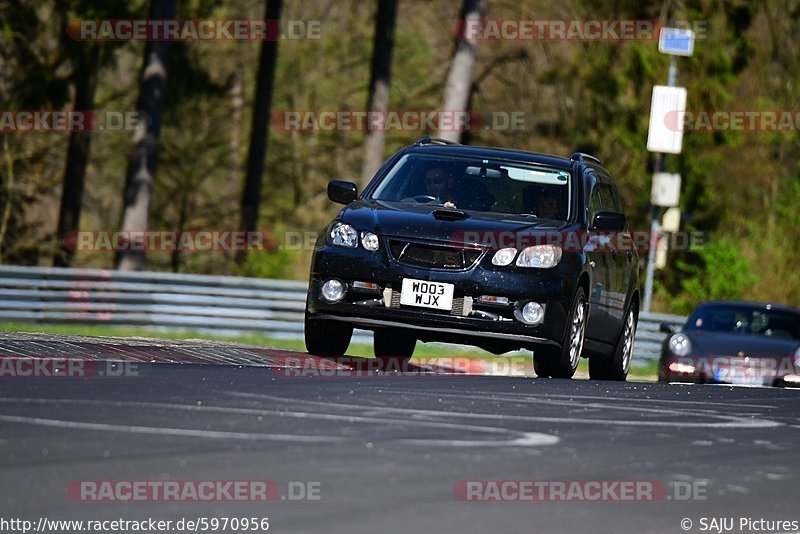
(479, 185)
(746, 320)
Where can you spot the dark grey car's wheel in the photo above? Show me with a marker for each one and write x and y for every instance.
(327, 338)
(617, 366)
(562, 362)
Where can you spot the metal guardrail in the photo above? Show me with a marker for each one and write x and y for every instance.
(219, 304)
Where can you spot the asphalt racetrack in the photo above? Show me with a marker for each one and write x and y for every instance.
(383, 453)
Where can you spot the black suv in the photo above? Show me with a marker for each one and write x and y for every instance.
(501, 249)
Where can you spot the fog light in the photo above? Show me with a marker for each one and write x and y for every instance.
(532, 313)
(333, 291)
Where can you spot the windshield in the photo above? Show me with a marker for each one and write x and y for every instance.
(746, 320)
(479, 185)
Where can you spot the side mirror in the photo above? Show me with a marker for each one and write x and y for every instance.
(609, 220)
(342, 192)
(670, 328)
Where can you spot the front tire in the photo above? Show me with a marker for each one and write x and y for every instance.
(562, 362)
(327, 338)
(618, 365)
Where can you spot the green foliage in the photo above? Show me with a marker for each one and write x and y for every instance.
(721, 272)
(279, 262)
(276, 264)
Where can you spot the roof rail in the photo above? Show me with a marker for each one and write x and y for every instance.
(582, 156)
(428, 140)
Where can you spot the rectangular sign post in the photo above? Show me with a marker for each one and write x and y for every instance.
(665, 136)
(676, 41)
(667, 109)
(666, 189)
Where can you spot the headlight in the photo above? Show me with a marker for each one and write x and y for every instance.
(541, 256)
(369, 241)
(504, 256)
(680, 345)
(344, 235)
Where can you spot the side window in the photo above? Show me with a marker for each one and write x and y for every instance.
(611, 200)
(595, 202)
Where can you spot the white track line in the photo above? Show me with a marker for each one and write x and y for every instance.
(730, 421)
(523, 439)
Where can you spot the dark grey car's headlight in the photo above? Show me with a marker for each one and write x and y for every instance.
(344, 235)
(680, 345)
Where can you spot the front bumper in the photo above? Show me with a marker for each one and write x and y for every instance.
(489, 325)
(734, 370)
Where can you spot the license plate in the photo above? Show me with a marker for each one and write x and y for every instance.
(426, 294)
(738, 377)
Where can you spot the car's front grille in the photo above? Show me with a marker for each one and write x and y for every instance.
(434, 256)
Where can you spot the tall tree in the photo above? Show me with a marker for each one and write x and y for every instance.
(459, 79)
(251, 196)
(85, 78)
(140, 176)
(87, 59)
(379, 85)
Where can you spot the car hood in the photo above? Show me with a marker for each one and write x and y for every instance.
(419, 222)
(725, 344)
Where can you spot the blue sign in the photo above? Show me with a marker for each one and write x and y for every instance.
(676, 41)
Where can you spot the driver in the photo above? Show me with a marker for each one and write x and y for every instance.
(440, 184)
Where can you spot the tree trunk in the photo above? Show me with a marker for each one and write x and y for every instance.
(459, 79)
(140, 176)
(251, 196)
(379, 86)
(85, 77)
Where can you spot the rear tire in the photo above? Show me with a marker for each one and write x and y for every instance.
(618, 365)
(562, 362)
(327, 338)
